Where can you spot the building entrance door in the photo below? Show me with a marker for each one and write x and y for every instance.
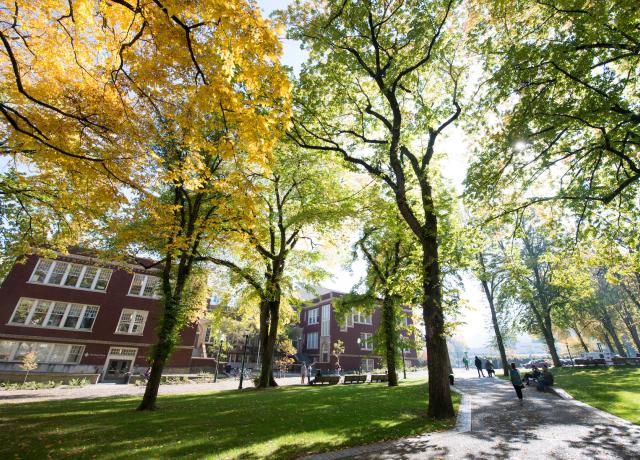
(117, 370)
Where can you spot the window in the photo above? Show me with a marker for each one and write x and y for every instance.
(73, 315)
(61, 315)
(362, 318)
(22, 311)
(132, 322)
(367, 364)
(324, 355)
(59, 270)
(144, 286)
(75, 353)
(344, 326)
(366, 342)
(313, 316)
(407, 321)
(88, 277)
(42, 271)
(312, 341)
(123, 351)
(39, 313)
(207, 335)
(89, 317)
(54, 353)
(71, 275)
(57, 313)
(103, 279)
(326, 316)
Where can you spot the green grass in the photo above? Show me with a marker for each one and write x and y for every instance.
(615, 389)
(278, 423)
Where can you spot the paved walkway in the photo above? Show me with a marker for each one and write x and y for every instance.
(493, 425)
(103, 390)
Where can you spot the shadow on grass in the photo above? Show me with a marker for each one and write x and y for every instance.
(277, 423)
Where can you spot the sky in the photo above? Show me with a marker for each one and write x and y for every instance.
(475, 333)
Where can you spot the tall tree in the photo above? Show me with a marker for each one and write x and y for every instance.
(218, 115)
(301, 197)
(563, 84)
(491, 274)
(378, 90)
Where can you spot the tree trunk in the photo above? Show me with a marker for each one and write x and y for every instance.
(390, 338)
(440, 404)
(161, 351)
(607, 340)
(544, 324)
(608, 324)
(627, 318)
(494, 320)
(269, 316)
(582, 342)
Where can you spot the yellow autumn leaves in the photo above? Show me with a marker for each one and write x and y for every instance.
(90, 89)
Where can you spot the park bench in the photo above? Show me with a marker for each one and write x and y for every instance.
(328, 379)
(626, 361)
(355, 378)
(379, 378)
(591, 362)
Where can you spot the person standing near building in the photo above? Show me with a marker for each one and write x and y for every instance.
(516, 381)
(303, 372)
(478, 364)
(465, 361)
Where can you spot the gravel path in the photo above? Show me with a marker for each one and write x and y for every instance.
(545, 427)
(103, 390)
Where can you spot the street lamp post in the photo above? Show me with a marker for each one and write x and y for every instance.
(244, 354)
(404, 366)
(215, 376)
(569, 351)
(360, 368)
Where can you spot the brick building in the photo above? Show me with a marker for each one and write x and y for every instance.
(81, 315)
(319, 330)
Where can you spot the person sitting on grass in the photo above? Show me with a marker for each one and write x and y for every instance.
(546, 378)
(533, 375)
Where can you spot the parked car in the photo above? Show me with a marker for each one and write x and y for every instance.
(535, 362)
(566, 362)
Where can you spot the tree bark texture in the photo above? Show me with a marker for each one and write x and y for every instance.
(607, 322)
(543, 319)
(440, 404)
(390, 338)
(582, 342)
(494, 317)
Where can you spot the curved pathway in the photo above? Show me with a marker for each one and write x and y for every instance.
(492, 424)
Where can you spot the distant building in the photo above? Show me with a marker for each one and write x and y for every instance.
(82, 315)
(319, 330)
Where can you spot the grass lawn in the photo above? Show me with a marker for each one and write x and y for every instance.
(278, 423)
(614, 389)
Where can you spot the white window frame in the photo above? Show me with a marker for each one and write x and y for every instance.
(66, 274)
(51, 345)
(144, 313)
(325, 325)
(312, 344)
(367, 364)
(313, 319)
(143, 287)
(360, 318)
(47, 316)
(366, 341)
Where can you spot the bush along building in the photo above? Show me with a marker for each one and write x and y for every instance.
(83, 316)
(319, 331)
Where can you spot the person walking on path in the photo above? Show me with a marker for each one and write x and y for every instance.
(478, 364)
(516, 380)
(465, 361)
(488, 365)
(303, 372)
